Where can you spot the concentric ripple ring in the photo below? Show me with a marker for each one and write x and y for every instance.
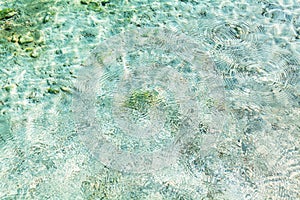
(141, 95)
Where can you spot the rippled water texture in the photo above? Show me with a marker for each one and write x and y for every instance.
(150, 100)
(187, 90)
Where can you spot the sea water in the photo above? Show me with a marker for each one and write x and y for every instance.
(104, 99)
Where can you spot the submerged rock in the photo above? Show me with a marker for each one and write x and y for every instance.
(53, 90)
(7, 13)
(26, 39)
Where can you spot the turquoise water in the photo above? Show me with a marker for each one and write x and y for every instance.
(149, 99)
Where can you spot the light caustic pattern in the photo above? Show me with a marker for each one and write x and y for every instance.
(142, 95)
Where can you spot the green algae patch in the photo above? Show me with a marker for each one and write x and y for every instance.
(141, 101)
(7, 13)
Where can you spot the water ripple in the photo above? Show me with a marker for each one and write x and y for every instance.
(141, 96)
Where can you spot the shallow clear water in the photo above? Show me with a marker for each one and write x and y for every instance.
(149, 100)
